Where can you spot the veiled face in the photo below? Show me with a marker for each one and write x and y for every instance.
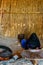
(33, 36)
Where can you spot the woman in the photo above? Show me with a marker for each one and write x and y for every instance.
(33, 42)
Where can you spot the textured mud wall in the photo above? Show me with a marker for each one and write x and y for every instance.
(21, 16)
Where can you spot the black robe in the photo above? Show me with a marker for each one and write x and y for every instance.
(33, 42)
